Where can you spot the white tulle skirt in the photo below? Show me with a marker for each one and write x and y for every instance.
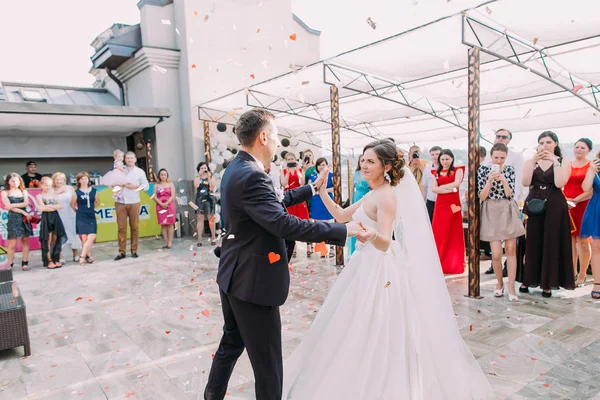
(369, 341)
(114, 177)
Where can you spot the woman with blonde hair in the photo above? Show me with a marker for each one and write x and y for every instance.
(52, 231)
(18, 225)
(85, 202)
(65, 195)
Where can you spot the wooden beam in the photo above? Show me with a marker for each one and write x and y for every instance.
(206, 141)
(473, 199)
(336, 159)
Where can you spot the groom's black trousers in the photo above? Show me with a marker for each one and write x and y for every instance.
(257, 329)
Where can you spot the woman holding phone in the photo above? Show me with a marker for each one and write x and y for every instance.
(548, 254)
(590, 225)
(500, 216)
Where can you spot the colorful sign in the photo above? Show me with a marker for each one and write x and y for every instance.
(106, 218)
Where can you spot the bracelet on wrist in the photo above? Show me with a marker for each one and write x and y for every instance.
(374, 237)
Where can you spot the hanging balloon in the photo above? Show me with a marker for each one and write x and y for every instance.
(234, 151)
(212, 166)
(285, 142)
(214, 152)
(227, 155)
(294, 141)
(283, 153)
(222, 147)
(221, 127)
(217, 218)
(275, 158)
(219, 159)
(233, 129)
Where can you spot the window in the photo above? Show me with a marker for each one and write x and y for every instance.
(32, 95)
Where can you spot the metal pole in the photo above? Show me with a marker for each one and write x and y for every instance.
(350, 183)
(336, 159)
(473, 199)
(149, 163)
(207, 141)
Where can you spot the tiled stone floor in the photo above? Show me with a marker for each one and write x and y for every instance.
(146, 329)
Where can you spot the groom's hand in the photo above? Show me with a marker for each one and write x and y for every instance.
(354, 228)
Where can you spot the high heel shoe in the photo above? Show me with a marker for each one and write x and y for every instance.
(25, 265)
(499, 292)
(546, 294)
(523, 289)
(512, 297)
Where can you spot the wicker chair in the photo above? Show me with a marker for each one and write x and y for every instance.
(13, 319)
(6, 275)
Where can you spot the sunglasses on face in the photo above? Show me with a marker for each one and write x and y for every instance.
(502, 137)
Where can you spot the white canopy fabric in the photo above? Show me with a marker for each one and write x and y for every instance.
(540, 69)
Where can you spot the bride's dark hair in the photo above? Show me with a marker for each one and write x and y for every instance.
(388, 155)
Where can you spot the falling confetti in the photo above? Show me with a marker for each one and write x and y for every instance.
(258, 30)
(304, 83)
(79, 298)
(293, 68)
(168, 332)
(193, 65)
(577, 88)
(252, 76)
(535, 40)
(454, 208)
(371, 23)
(273, 257)
(293, 37)
(206, 313)
(488, 10)
(196, 13)
(387, 284)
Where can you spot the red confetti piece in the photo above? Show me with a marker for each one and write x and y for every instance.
(193, 65)
(546, 385)
(200, 294)
(194, 254)
(258, 30)
(252, 76)
(129, 395)
(542, 374)
(196, 13)
(577, 88)
(533, 359)
(168, 332)
(293, 37)
(212, 356)
(273, 257)
(181, 317)
(79, 298)
(321, 248)
(502, 356)
(470, 328)
(454, 208)
(206, 313)
(570, 330)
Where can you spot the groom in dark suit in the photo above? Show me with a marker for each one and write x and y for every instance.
(253, 272)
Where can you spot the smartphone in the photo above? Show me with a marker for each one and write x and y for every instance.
(570, 203)
(540, 148)
(291, 164)
(597, 161)
(495, 168)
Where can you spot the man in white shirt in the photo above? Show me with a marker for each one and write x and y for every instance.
(129, 206)
(515, 159)
(428, 178)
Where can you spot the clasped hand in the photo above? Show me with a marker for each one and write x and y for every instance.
(363, 233)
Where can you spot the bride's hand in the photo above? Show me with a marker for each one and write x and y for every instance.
(322, 179)
(368, 235)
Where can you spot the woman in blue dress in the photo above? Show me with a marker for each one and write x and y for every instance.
(318, 211)
(590, 225)
(85, 201)
(361, 188)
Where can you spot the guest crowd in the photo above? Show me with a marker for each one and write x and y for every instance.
(542, 215)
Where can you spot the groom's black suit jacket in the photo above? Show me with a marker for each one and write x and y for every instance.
(253, 264)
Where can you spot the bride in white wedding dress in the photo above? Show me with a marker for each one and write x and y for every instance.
(387, 329)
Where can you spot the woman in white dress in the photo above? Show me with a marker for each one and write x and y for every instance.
(387, 329)
(65, 195)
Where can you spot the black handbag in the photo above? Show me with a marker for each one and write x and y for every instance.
(537, 206)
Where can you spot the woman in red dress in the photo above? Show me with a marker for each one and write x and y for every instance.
(578, 202)
(447, 215)
(293, 177)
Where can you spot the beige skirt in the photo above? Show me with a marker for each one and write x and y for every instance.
(500, 220)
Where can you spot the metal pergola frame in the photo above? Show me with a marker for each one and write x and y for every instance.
(363, 84)
(534, 52)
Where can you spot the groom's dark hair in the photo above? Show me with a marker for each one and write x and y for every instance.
(250, 124)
